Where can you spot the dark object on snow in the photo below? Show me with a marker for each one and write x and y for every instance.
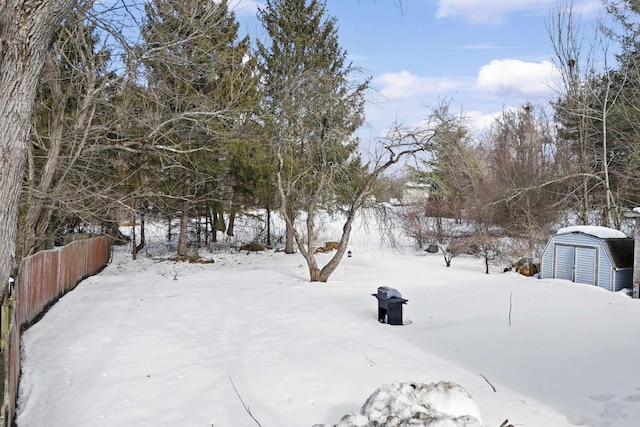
(526, 267)
(328, 247)
(432, 248)
(253, 247)
(390, 303)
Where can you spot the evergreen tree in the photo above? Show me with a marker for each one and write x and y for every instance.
(311, 110)
(202, 83)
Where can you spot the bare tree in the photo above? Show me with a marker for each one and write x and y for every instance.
(415, 223)
(451, 245)
(26, 29)
(76, 82)
(590, 94)
(485, 246)
(521, 156)
(353, 183)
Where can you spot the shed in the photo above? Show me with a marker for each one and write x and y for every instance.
(593, 255)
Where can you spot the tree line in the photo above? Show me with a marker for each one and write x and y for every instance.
(191, 119)
(540, 167)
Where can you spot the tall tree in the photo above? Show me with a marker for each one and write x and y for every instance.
(622, 146)
(26, 30)
(70, 121)
(523, 162)
(575, 62)
(201, 82)
(596, 111)
(311, 110)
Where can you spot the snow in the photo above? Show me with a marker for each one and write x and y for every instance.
(593, 230)
(160, 343)
(442, 404)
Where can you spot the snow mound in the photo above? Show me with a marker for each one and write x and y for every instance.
(444, 404)
(593, 230)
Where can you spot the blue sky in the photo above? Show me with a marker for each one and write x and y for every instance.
(482, 55)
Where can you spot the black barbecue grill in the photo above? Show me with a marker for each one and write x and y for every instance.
(390, 303)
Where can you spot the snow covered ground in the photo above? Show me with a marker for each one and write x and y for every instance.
(159, 343)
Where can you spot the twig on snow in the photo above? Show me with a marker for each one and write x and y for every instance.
(506, 424)
(246, 408)
(485, 378)
(371, 362)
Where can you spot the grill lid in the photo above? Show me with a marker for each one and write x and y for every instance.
(387, 292)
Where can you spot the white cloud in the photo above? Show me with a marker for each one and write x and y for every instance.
(497, 86)
(494, 11)
(513, 77)
(480, 121)
(404, 85)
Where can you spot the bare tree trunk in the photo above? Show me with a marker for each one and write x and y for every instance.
(134, 240)
(207, 219)
(198, 230)
(268, 226)
(183, 239)
(143, 241)
(39, 208)
(232, 221)
(610, 202)
(288, 240)
(26, 29)
(37, 200)
(214, 228)
(112, 229)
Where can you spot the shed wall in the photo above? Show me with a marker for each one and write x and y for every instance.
(546, 262)
(623, 278)
(590, 254)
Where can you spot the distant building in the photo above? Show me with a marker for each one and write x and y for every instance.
(415, 193)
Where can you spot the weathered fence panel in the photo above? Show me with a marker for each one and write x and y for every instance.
(37, 284)
(44, 278)
(73, 264)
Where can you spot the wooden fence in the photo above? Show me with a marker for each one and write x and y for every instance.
(44, 278)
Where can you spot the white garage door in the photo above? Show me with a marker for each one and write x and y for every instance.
(586, 265)
(563, 262)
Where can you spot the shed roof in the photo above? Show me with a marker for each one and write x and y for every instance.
(621, 252)
(594, 230)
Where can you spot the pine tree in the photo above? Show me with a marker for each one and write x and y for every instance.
(311, 110)
(202, 84)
